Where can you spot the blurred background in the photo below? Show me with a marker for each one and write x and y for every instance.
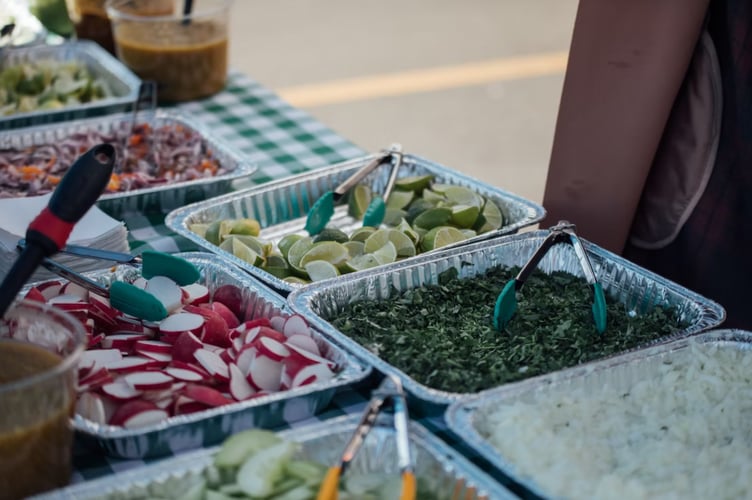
(473, 85)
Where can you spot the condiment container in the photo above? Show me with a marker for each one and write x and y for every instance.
(91, 23)
(184, 53)
(39, 351)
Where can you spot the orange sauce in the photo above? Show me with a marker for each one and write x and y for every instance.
(187, 61)
(36, 437)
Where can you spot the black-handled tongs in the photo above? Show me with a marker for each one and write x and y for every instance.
(563, 232)
(389, 391)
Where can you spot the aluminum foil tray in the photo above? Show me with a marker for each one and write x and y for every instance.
(638, 289)
(122, 81)
(465, 417)
(160, 198)
(281, 207)
(452, 476)
(209, 427)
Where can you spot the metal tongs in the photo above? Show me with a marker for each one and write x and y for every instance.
(389, 391)
(563, 232)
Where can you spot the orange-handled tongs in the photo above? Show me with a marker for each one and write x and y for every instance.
(389, 391)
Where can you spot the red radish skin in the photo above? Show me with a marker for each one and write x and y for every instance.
(132, 364)
(166, 291)
(240, 389)
(264, 331)
(71, 288)
(50, 289)
(184, 347)
(156, 356)
(124, 324)
(277, 322)
(191, 366)
(272, 348)
(138, 413)
(195, 293)
(212, 363)
(186, 406)
(35, 294)
(312, 358)
(304, 342)
(205, 395)
(310, 374)
(95, 340)
(231, 296)
(296, 325)
(184, 374)
(149, 380)
(230, 318)
(152, 346)
(122, 341)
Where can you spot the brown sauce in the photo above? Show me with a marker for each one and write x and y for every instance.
(187, 61)
(91, 22)
(35, 433)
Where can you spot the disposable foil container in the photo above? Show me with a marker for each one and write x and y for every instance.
(281, 207)
(465, 417)
(211, 426)
(449, 474)
(122, 82)
(637, 288)
(159, 198)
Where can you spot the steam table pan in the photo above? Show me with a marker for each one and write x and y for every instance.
(638, 289)
(208, 427)
(448, 473)
(157, 197)
(121, 81)
(281, 206)
(469, 418)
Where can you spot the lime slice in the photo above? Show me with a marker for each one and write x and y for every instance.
(359, 199)
(460, 195)
(469, 233)
(393, 216)
(245, 253)
(402, 243)
(433, 217)
(362, 233)
(331, 234)
(464, 216)
(433, 196)
(329, 251)
(297, 251)
(408, 230)
(276, 265)
(321, 270)
(440, 237)
(261, 247)
(245, 226)
(386, 254)
(354, 248)
(399, 199)
(365, 261)
(493, 215)
(287, 241)
(199, 229)
(376, 240)
(413, 183)
(212, 232)
(417, 207)
(295, 280)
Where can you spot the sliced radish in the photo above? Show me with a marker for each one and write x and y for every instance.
(195, 293)
(102, 306)
(184, 374)
(94, 379)
(166, 291)
(120, 390)
(212, 363)
(216, 331)
(230, 318)
(190, 366)
(50, 289)
(127, 324)
(133, 363)
(182, 322)
(100, 358)
(305, 342)
(152, 346)
(157, 356)
(35, 294)
(264, 331)
(311, 374)
(296, 325)
(278, 323)
(184, 406)
(245, 357)
(231, 296)
(272, 348)
(149, 381)
(71, 288)
(310, 358)
(95, 340)
(240, 389)
(205, 395)
(138, 413)
(184, 347)
(91, 407)
(227, 355)
(266, 373)
(122, 341)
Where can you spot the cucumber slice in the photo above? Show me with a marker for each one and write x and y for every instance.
(258, 474)
(238, 447)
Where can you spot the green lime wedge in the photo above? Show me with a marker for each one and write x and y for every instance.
(321, 270)
(295, 280)
(245, 253)
(199, 229)
(245, 226)
(358, 200)
(276, 265)
(460, 195)
(297, 251)
(354, 248)
(362, 233)
(386, 254)
(433, 196)
(440, 237)
(408, 230)
(433, 217)
(413, 183)
(329, 251)
(393, 216)
(493, 215)
(288, 241)
(331, 234)
(400, 199)
(261, 247)
(360, 263)
(464, 216)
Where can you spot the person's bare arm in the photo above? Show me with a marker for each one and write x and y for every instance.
(626, 64)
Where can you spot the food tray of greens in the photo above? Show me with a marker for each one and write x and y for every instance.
(165, 159)
(441, 472)
(430, 321)
(431, 206)
(230, 355)
(50, 83)
(668, 421)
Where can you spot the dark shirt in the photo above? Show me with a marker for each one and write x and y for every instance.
(712, 254)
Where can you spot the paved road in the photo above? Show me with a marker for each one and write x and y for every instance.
(471, 84)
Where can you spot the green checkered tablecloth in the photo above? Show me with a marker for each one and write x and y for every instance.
(280, 139)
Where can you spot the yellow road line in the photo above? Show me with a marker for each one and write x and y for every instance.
(424, 80)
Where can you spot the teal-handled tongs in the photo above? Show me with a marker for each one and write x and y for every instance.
(563, 232)
(389, 391)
